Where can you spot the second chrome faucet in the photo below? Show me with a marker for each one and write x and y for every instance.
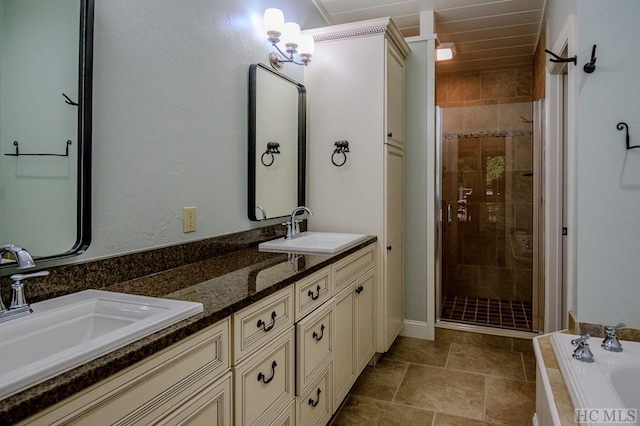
(293, 226)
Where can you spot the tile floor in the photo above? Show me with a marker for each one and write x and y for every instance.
(421, 382)
(487, 312)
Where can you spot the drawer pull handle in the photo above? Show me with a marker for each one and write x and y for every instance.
(315, 334)
(390, 134)
(262, 378)
(264, 325)
(312, 295)
(359, 289)
(317, 401)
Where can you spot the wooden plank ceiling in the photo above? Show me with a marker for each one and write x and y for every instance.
(488, 34)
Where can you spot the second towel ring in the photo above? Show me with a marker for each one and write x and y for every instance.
(272, 148)
(342, 147)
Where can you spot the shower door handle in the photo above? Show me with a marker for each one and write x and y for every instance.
(449, 217)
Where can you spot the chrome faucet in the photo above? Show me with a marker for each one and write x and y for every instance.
(19, 306)
(23, 258)
(293, 226)
(611, 342)
(582, 352)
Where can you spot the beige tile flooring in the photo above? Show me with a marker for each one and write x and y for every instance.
(420, 382)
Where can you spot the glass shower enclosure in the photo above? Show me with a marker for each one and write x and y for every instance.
(486, 229)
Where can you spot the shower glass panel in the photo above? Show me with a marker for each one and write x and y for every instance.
(486, 250)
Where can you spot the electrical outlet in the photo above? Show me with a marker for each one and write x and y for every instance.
(188, 219)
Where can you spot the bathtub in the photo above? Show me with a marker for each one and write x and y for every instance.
(608, 387)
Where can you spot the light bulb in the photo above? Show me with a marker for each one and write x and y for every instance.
(291, 36)
(306, 45)
(273, 23)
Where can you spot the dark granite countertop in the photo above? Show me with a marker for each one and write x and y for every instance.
(223, 284)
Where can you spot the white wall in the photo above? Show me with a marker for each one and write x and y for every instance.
(419, 180)
(608, 190)
(555, 15)
(170, 116)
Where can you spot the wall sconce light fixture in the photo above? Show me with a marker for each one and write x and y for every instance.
(289, 34)
(445, 51)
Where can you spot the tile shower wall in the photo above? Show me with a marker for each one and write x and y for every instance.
(487, 165)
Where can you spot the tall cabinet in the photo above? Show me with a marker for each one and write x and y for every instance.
(355, 93)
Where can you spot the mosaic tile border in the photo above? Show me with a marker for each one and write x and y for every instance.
(493, 134)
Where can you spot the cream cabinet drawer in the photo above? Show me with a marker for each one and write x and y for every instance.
(314, 407)
(209, 407)
(264, 382)
(351, 267)
(287, 417)
(260, 323)
(150, 389)
(315, 343)
(312, 292)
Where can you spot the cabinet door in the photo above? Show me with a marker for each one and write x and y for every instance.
(394, 290)
(395, 97)
(364, 319)
(345, 373)
(394, 193)
(209, 407)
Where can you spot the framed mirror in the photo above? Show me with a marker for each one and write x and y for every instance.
(46, 52)
(277, 144)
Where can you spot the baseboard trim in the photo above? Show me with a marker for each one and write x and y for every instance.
(416, 329)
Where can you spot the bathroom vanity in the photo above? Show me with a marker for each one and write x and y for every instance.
(266, 350)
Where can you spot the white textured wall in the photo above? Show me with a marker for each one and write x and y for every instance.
(419, 179)
(170, 116)
(555, 15)
(608, 261)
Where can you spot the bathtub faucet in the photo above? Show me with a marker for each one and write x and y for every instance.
(582, 352)
(611, 342)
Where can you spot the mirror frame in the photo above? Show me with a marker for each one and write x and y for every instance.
(84, 131)
(302, 138)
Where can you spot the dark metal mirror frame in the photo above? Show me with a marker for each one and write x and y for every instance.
(85, 91)
(302, 138)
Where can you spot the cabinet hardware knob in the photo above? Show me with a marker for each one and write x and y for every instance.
(359, 289)
(312, 295)
(317, 401)
(389, 248)
(264, 325)
(262, 378)
(390, 134)
(315, 334)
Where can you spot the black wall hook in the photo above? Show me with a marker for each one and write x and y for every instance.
(590, 66)
(68, 101)
(272, 148)
(621, 126)
(342, 147)
(559, 59)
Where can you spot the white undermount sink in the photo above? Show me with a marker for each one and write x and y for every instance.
(314, 242)
(67, 331)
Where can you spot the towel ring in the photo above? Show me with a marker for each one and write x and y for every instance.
(272, 148)
(342, 147)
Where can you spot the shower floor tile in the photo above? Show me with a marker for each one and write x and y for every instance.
(488, 312)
